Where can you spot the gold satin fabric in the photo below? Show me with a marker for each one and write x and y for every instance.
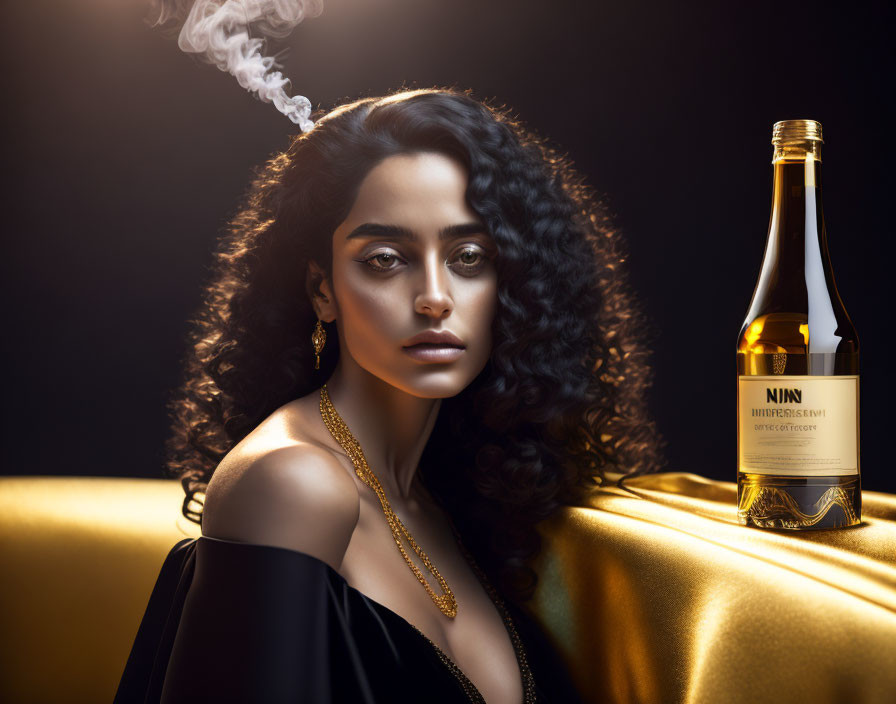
(655, 593)
(79, 557)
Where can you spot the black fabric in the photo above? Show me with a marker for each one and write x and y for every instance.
(239, 622)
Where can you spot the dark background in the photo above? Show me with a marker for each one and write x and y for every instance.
(125, 157)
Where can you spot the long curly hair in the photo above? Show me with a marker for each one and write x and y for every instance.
(561, 400)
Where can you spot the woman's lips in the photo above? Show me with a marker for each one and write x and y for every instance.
(428, 352)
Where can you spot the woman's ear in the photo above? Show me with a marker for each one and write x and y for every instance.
(319, 290)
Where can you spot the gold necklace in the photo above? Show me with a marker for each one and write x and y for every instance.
(339, 430)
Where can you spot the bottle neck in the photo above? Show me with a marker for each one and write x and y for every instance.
(797, 262)
(797, 222)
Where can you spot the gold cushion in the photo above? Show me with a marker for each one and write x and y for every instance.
(653, 594)
(657, 594)
(79, 560)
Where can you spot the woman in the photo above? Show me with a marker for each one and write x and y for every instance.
(416, 346)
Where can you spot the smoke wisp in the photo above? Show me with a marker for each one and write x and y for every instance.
(218, 31)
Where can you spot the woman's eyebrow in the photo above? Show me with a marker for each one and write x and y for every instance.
(397, 232)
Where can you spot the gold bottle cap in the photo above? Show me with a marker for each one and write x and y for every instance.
(789, 131)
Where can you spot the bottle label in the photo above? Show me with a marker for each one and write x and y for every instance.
(798, 425)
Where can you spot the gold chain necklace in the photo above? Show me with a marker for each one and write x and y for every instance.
(339, 430)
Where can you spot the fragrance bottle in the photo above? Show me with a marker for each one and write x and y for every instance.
(797, 362)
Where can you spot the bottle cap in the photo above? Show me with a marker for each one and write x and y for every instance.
(789, 131)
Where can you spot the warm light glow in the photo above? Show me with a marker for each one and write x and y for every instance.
(754, 332)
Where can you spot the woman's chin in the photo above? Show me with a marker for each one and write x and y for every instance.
(429, 382)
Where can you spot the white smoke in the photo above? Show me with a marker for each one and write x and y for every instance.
(218, 30)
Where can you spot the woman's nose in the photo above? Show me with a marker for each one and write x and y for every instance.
(434, 298)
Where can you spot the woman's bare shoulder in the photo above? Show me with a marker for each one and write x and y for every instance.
(281, 488)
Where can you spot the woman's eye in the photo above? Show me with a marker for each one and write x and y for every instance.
(382, 261)
(470, 260)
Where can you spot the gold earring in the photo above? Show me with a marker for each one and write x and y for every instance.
(318, 338)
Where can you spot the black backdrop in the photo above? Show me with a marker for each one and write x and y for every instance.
(124, 158)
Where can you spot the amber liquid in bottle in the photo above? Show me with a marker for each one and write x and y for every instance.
(798, 362)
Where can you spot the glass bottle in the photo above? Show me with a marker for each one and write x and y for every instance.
(797, 362)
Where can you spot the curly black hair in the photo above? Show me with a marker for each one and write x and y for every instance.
(561, 400)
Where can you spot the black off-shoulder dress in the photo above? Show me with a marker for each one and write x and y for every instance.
(239, 622)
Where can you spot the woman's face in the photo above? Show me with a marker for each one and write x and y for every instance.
(412, 256)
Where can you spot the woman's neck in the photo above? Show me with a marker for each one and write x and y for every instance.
(391, 425)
